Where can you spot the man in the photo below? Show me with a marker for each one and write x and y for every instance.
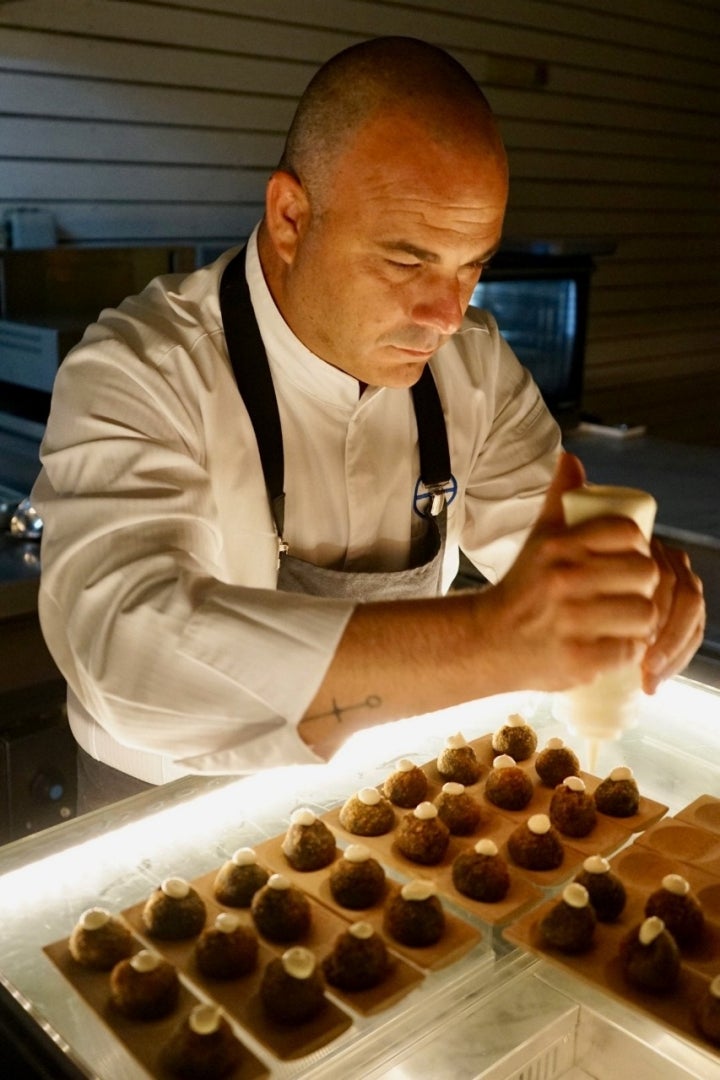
(250, 513)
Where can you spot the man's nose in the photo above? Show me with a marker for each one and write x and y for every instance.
(441, 307)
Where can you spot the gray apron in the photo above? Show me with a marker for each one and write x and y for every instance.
(252, 374)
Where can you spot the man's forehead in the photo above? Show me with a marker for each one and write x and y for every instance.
(430, 255)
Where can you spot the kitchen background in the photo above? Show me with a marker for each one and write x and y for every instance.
(158, 120)
(154, 124)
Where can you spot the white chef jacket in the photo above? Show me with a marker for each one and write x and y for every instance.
(158, 594)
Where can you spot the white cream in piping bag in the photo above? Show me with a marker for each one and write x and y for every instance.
(608, 706)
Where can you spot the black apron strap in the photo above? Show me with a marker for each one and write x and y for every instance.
(252, 374)
(435, 470)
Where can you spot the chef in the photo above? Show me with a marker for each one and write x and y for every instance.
(257, 478)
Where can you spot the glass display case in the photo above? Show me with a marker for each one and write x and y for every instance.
(496, 1011)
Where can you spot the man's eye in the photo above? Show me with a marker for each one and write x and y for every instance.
(474, 270)
(403, 265)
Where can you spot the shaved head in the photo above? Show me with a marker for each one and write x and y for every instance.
(388, 202)
(388, 74)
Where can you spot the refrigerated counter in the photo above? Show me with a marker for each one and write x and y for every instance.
(498, 1011)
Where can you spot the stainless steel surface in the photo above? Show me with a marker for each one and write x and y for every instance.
(26, 523)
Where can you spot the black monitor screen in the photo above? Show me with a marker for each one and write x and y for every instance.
(543, 321)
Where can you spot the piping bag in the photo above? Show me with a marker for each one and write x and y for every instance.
(609, 705)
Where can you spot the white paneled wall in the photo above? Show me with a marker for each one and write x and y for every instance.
(159, 120)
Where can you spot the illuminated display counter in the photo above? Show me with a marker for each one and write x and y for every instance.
(496, 1011)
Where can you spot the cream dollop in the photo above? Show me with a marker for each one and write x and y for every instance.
(302, 816)
(424, 811)
(574, 783)
(539, 824)
(279, 882)
(361, 930)
(554, 744)
(485, 847)
(455, 742)
(504, 761)
(94, 918)
(145, 961)
(621, 772)
(404, 765)
(650, 929)
(244, 856)
(204, 1019)
(453, 788)
(676, 884)
(176, 888)
(369, 796)
(418, 889)
(226, 922)
(357, 853)
(575, 895)
(298, 962)
(596, 864)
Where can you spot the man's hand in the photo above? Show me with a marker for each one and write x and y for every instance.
(582, 600)
(577, 601)
(681, 617)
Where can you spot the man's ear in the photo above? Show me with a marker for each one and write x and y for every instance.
(286, 214)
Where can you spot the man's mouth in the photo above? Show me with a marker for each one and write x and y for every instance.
(418, 354)
(416, 340)
(418, 345)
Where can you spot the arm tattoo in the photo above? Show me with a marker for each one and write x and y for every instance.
(370, 702)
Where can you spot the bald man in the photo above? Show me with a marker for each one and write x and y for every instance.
(257, 479)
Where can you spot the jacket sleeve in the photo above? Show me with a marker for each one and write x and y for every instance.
(161, 645)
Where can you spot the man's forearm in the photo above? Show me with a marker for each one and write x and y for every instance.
(395, 660)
